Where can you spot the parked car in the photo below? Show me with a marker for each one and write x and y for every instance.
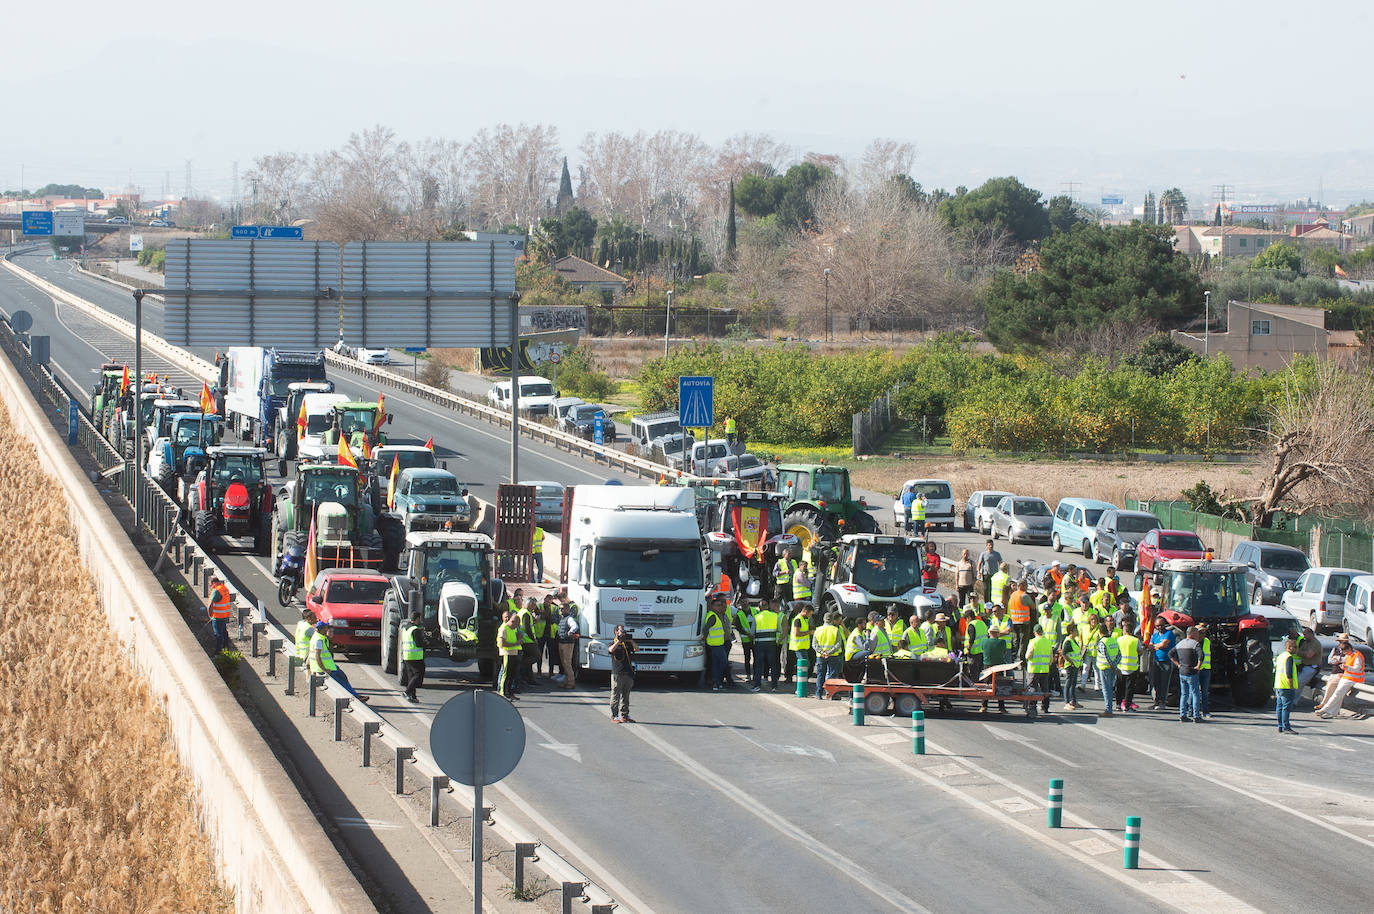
(647, 428)
(744, 466)
(1022, 519)
(669, 448)
(1118, 533)
(939, 502)
(979, 507)
(1318, 597)
(560, 406)
(498, 395)
(350, 602)
(1358, 618)
(373, 356)
(1160, 545)
(581, 421)
(1074, 521)
(1271, 568)
(117, 220)
(704, 455)
(548, 503)
(158, 223)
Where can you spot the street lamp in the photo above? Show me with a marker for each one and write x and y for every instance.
(514, 387)
(828, 333)
(667, 316)
(1206, 323)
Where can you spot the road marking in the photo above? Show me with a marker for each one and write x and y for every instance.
(779, 748)
(947, 771)
(1026, 741)
(1014, 804)
(1093, 846)
(851, 869)
(567, 750)
(890, 738)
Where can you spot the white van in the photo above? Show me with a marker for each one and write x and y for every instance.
(644, 429)
(939, 502)
(536, 395)
(319, 411)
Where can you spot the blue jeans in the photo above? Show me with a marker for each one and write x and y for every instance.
(718, 659)
(827, 668)
(1108, 680)
(1284, 699)
(1204, 688)
(1070, 676)
(341, 678)
(1189, 699)
(765, 663)
(221, 629)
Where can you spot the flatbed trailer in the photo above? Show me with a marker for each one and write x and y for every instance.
(924, 684)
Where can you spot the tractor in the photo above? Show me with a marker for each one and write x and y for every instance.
(448, 578)
(231, 496)
(874, 572)
(353, 420)
(745, 535)
(122, 424)
(325, 511)
(181, 454)
(818, 504)
(106, 393)
(1196, 590)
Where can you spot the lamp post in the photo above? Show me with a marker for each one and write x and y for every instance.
(1206, 324)
(667, 318)
(138, 407)
(828, 334)
(515, 387)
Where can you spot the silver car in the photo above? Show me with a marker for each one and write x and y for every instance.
(1022, 519)
(548, 503)
(979, 507)
(1318, 597)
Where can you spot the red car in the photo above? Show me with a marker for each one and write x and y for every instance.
(350, 601)
(1162, 545)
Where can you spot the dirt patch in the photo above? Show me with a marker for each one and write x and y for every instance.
(96, 813)
(1056, 479)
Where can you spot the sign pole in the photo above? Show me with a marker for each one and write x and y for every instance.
(515, 387)
(138, 407)
(479, 775)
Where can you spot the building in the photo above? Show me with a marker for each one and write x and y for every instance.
(583, 274)
(1324, 236)
(1224, 240)
(1361, 227)
(1266, 337)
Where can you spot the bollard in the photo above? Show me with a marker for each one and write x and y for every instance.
(340, 705)
(292, 661)
(1056, 802)
(273, 648)
(1131, 859)
(437, 783)
(918, 732)
(242, 612)
(258, 628)
(803, 670)
(571, 891)
(316, 680)
(370, 727)
(523, 850)
(858, 704)
(402, 753)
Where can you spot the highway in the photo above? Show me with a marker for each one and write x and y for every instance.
(741, 802)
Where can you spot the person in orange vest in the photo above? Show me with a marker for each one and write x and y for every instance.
(219, 609)
(1352, 671)
(1019, 606)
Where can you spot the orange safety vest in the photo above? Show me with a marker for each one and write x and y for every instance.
(1019, 610)
(220, 602)
(1354, 666)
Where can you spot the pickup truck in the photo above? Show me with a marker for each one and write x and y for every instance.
(427, 499)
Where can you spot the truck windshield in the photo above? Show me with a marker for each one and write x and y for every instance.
(886, 570)
(1207, 594)
(828, 486)
(652, 568)
(245, 469)
(357, 420)
(537, 389)
(771, 515)
(467, 566)
(332, 486)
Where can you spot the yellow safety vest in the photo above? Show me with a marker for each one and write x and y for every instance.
(800, 639)
(304, 632)
(715, 629)
(801, 584)
(918, 510)
(538, 540)
(526, 626)
(895, 630)
(1040, 653)
(326, 659)
(508, 640)
(851, 644)
(741, 621)
(1286, 671)
(1108, 653)
(410, 648)
(975, 632)
(1072, 651)
(999, 587)
(1129, 647)
(827, 640)
(915, 640)
(882, 647)
(765, 626)
(783, 568)
(1206, 662)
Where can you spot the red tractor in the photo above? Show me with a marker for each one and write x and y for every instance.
(232, 497)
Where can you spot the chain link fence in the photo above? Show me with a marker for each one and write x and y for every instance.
(872, 423)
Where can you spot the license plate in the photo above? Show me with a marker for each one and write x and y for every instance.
(649, 666)
(369, 633)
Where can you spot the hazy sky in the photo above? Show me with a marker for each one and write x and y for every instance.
(1263, 96)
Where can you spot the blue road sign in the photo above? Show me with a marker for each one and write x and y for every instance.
(696, 401)
(599, 429)
(415, 349)
(244, 231)
(37, 222)
(266, 231)
(1113, 199)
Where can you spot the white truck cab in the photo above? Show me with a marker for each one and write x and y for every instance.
(319, 410)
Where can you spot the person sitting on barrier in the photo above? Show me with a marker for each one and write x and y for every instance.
(305, 630)
(1352, 672)
(322, 660)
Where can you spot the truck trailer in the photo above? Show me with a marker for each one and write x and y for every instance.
(254, 384)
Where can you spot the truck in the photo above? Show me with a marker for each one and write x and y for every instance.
(820, 505)
(632, 556)
(449, 579)
(287, 432)
(254, 383)
(874, 572)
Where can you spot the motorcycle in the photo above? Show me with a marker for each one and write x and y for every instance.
(289, 574)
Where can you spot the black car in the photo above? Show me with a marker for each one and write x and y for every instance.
(581, 421)
(1118, 533)
(1270, 569)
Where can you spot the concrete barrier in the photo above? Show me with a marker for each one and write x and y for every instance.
(272, 851)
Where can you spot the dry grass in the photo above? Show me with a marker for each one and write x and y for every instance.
(1056, 479)
(96, 813)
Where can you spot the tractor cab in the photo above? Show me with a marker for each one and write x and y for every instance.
(746, 538)
(181, 454)
(231, 495)
(352, 420)
(874, 572)
(819, 503)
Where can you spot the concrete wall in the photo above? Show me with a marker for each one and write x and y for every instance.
(274, 854)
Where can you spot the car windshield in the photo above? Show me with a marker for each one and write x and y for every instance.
(1180, 542)
(675, 445)
(1207, 595)
(434, 485)
(423, 458)
(357, 420)
(1131, 523)
(1284, 561)
(317, 423)
(656, 568)
(828, 485)
(548, 490)
(246, 469)
(467, 566)
(932, 490)
(356, 591)
(991, 499)
(1092, 515)
(541, 389)
(887, 570)
(332, 486)
(1030, 507)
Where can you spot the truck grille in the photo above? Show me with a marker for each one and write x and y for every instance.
(639, 620)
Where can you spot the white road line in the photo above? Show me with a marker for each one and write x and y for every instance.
(999, 733)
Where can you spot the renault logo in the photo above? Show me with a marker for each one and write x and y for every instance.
(648, 633)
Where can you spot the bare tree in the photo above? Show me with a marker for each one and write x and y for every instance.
(882, 160)
(1110, 340)
(515, 172)
(609, 163)
(432, 187)
(358, 188)
(1323, 446)
(278, 188)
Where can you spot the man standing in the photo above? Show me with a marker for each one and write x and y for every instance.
(989, 560)
(1204, 671)
(567, 636)
(1071, 655)
(305, 630)
(1286, 684)
(1039, 654)
(1108, 654)
(1161, 669)
(1128, 646)
(963, 578)
(828, 643)
(783, 569)
(740, 619)
(537, 547)
(1019, 607)
(412, 650)
(918, 513)
(908, 498)
(799, 642)
(731, 432)
(622, 675)
(1186, 655)
(219, 609)
(1352, 671)
(715, 624)
(508, 644)
(1001, 582)
(765, 635)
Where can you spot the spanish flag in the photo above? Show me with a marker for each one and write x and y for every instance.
(300, 422)
(367, 447)
(391, 483)
(430, 443)
(751, 529)
(124, 381)
(346, 455)
(207, 401)
(1341, 273)
(381, 411)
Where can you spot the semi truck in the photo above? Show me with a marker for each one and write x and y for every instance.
(633, 556)
(254, 384)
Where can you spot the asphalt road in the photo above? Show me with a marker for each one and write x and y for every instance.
(768, 802)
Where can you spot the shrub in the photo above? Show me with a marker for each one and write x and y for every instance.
(578, 376)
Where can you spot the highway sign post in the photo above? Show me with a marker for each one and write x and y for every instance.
(477, 739)
(69, 225)
(266, 231)
(135, 243)
(696, 404)
(598, 430)
(37, 222)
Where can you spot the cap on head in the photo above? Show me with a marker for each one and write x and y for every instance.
(1341, 637)
(321, 627)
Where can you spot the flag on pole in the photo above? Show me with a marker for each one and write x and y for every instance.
(124, 381)
(381, 411)
(300, 422)
(345, 454)
(207, 401)
(430, 443)
(391, 483)
(367, 447)
(1341, 273)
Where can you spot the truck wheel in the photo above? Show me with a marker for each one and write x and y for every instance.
(809, 524)
(877, 703)
(1253, 684)
(205, 528)
(388, 640)
(906, 704)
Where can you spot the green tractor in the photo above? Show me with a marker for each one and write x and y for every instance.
(106, 394)
(333, 498)
(819, 505)
(353, 420)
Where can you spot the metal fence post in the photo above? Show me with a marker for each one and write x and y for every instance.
(523, 850)
(402, 753)
(273, 648)
(440, 782)
(340, 705)
(370, 728)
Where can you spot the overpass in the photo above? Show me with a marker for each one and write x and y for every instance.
(14, 222)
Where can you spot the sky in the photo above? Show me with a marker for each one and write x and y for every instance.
(1094, 97)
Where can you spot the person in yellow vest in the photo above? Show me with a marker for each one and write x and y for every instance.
(516, 601)
(537, 547)
(508, 646)
(1286, 684)
(1128, 667)
(765, 635)
(1000, 581)
(305, 630)
(322, 660)
(880, 646)
(783, 570)
(918, 513)
(219, 609)
(731, 430)
(525, 618)
(411, 648)
(543, 636)
(936, 628)
(856, 643)
(800, 641)
(1204, 671)
(1039, 656)
(975, 630)
(894, 626)
(714, 624)
(1086, 622)
(1108, 662)
(938, 651)
(1071, 663)
(801, 585)
(999, 625)
(828, 644)
(914, 638)
(740, 617)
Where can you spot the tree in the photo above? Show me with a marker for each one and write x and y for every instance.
(1064, 214)
(1216, 217)
(573, 234)
(1088, 276)
(70, 191)
(565, 193)
(1149, 213)
(1159, 356)
(731, 230)
(1175, 206)
(514, 172)
(1283, 257)
(1000, 205)
(786, 196)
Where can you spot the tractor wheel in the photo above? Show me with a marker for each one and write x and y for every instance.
(294, 540)
(809, 524)
(863, 522)
(372, 540)
(166, 479)
(390, 634)
(1253, 685)
(205, 528)
(274, 545)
